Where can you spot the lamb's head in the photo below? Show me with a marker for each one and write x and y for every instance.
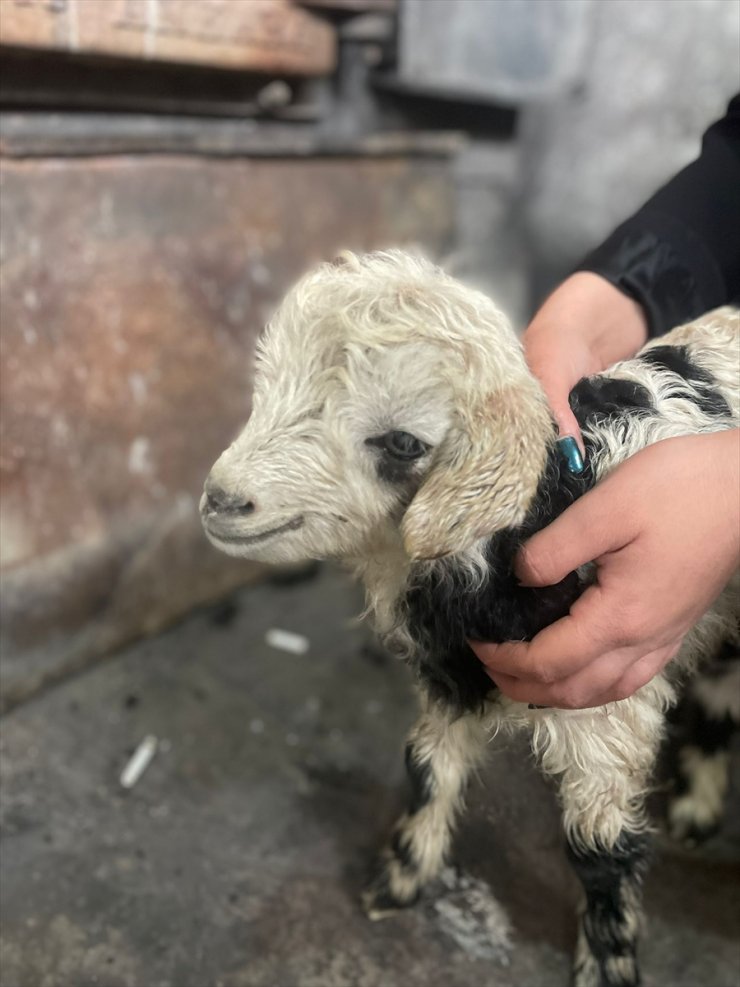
(389, 401)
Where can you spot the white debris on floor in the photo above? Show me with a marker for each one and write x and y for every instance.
(296, 644)
(139, 761)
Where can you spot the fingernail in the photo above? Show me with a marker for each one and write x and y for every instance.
(571, 454)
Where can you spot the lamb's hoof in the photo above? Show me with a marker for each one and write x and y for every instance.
(588, 972)
(586, 976)
(379, 902)
(620, 970)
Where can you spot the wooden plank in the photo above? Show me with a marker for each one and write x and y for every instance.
(259, 35)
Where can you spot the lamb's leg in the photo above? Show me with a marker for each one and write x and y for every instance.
(441, 752)
(610, 917)
(604, 759)
(711, 715)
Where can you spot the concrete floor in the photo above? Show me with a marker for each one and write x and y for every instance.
(239, 856)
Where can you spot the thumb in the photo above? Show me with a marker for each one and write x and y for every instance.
(583, 533)
(557, 392)
(556, 379)
(566, 422)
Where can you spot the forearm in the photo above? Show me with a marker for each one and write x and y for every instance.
(678, 255)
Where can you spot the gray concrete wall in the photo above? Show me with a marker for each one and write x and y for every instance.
(655, 74)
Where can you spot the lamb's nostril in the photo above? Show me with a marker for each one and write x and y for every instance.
(219, 500)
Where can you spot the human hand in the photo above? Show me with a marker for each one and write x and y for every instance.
(584, 327)
(664, 531)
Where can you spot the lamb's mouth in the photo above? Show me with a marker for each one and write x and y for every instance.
(234, 539)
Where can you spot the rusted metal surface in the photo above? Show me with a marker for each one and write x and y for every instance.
(36, 80)
(83, 134)
(132, 290)
(262, 35)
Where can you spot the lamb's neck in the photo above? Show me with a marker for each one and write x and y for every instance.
(383, 567)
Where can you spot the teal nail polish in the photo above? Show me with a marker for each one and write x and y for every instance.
(571, 454)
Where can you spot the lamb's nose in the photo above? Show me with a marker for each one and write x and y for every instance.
(221, 500)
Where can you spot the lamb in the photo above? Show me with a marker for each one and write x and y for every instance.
(397, 428)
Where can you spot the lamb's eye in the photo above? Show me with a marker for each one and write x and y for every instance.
(400, 445)
(403, 445)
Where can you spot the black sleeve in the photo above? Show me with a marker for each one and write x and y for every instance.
(679, 255)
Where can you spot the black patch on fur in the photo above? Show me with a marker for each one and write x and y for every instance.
(594, 400)
(441, 613)
(600, 871)
(679, 782)
(728, 652)
(393, 471)
(603, 875)
(422, 781)
(700, 728)
(703, 391)
(691, 724)
(713, 734)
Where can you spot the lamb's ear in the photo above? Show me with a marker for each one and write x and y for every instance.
(484, 475)
(345, 258)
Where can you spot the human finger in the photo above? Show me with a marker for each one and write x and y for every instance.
(641, 672)
(580, 691)
(557, 387)
(558, 651)
(588, 529)
(615, 676)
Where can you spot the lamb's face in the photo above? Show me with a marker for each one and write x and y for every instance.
(329, 458)
(387, 397)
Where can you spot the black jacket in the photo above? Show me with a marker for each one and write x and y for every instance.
(679, 255)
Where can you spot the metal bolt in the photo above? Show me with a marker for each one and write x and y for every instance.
(274, 95)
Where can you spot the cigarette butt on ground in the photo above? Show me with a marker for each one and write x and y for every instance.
(139, 761)
(297, 644)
